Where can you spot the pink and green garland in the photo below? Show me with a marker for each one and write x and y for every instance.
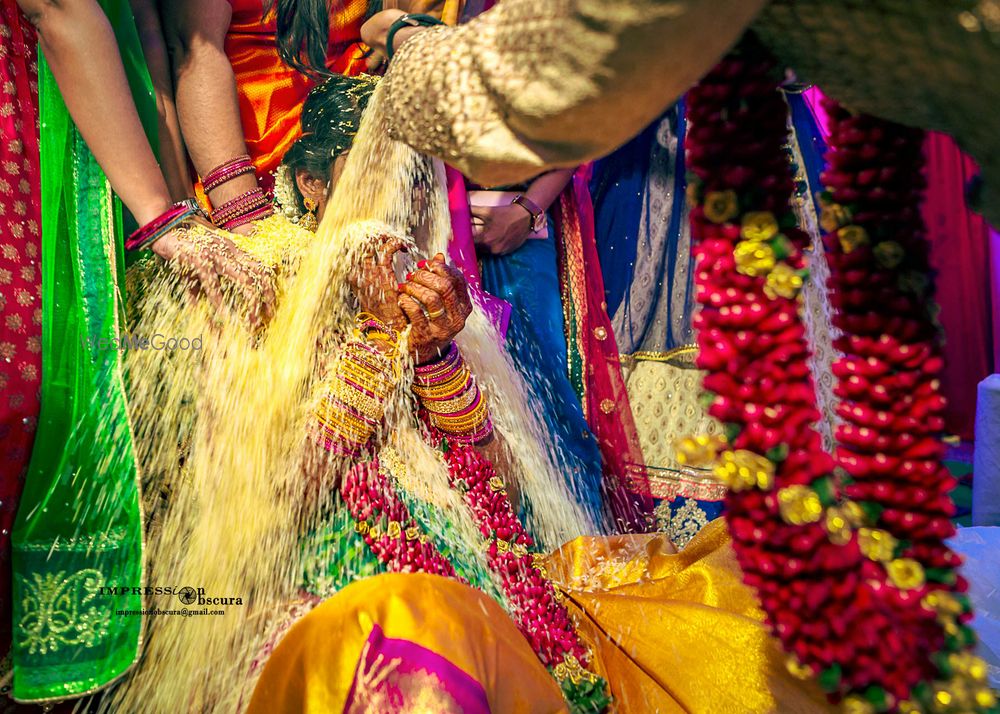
(396, 539)
(847, 554)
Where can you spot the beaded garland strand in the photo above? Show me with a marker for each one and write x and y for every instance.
(398, 542)
(850, 566)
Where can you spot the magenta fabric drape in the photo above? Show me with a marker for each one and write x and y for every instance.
(462, 251)
(960, 252)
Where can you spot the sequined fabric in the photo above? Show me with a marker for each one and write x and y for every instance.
(20, 276)
(509, 94)
(533, 84)
(927, 63)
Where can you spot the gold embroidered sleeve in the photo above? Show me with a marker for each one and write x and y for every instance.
(534, 84)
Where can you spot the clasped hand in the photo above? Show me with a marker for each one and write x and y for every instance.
(434, 301)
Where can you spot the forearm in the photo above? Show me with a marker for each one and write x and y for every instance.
(207, 100)
(596, 72)
(80, 48)
(545, 189)
(173, 159)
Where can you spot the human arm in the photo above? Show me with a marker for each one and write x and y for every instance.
(207, 100)
(503, 229)
(80, 49)
(173, 157)
(549, 84)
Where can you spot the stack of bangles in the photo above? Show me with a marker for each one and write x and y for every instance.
(354, 396)
(148, 234)
(253, 205)
(449, 393)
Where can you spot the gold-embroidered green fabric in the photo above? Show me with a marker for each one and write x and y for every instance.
(79, 524)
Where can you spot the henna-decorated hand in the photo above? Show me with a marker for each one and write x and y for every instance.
(205, 256)
(374, 284)
(435, 299)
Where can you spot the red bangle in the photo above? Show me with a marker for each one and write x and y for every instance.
(227, 172)
(162, 224)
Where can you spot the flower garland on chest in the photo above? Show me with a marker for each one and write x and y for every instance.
(846, 553)
(535, 604)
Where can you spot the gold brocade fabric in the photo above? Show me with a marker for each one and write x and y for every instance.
(534, 84)
(670, 632)
(677, 632)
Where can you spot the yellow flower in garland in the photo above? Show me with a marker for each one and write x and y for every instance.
(783, 281)
(857, 705)
(838, 528)
(876, 544)
(852, 237)
(969, 665)
(889, 254)
(741, 470)
(906, 573)
(699, 451)
(942, 602)
(721, 206)
(799, 505)
(833, 216)
(754, 258)
(759, 226)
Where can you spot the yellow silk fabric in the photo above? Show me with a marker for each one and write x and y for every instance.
(671, 632)
(677, 632)
(312, 669)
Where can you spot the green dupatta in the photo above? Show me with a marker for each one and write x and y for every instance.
(79, 527)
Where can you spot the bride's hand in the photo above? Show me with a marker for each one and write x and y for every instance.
(374, 284)
(205, 256)
(435, 299)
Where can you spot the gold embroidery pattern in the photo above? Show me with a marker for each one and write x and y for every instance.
(683, 525)
(60, 611)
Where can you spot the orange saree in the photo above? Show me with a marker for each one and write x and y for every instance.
(270, 92)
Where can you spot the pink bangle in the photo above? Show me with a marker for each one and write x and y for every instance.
(227, 172)
(450, 356)
(254, 215)
(162, 224)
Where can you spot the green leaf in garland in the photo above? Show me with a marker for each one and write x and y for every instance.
(732, 431)
(706, 399)
(778, 454)
(878, 698)
(781, 246)
(829, 678)
(945, 576)
(872, 510)
(586, 697)
(824, 488)
(940, 660)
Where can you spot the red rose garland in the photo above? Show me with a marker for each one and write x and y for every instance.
(536, 606)
(846, 598)
(386, 525)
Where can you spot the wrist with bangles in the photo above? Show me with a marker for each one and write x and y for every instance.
(354, 396)
(448, 392)
(178, 213)
(249, 206)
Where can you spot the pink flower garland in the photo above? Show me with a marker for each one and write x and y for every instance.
(845, 598)
(386, 525)
(396, 539)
